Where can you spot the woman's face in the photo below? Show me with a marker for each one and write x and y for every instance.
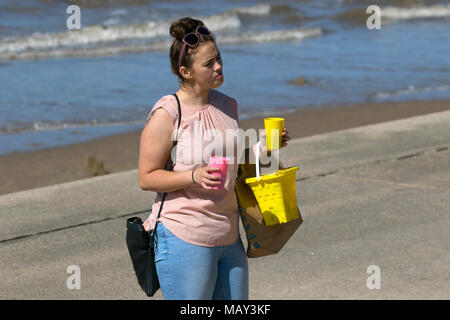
(207, 66)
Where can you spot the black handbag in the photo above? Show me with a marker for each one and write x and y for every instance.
(141, 243)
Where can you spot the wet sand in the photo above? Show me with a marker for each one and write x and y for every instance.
(32, 169)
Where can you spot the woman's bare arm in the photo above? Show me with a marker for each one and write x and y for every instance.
(154, 151)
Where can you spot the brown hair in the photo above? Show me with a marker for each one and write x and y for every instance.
(178, 29)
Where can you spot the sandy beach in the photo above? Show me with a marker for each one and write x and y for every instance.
(27, 170)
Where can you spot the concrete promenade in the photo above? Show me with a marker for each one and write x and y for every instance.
(375, 195)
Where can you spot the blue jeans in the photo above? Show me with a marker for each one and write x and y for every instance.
(188, 271)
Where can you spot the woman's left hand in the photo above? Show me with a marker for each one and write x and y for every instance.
(263, 139)
(284, 138)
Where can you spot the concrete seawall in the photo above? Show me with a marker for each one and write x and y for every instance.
(374, 195)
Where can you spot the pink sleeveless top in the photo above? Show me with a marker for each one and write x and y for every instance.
(196, 215)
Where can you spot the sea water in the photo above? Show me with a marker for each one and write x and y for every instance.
(60, 86)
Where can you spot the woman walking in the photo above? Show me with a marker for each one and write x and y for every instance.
(198, 251)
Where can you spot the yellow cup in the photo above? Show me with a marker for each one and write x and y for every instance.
(274, 128)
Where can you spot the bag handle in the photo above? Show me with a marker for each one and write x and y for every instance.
(172, 165)
(258, 176)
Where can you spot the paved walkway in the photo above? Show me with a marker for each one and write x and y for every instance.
(377, 195)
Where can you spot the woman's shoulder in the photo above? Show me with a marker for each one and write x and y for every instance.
(225, 103)
(216, 95)
(168, 103)
(166, 100)
(224, 98)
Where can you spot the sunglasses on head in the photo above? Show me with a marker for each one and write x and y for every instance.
(192, 39)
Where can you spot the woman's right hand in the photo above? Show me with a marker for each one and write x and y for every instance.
(203, 177)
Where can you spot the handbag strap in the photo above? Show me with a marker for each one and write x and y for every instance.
(172, 165)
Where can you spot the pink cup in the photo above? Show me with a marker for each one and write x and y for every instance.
(221, 163)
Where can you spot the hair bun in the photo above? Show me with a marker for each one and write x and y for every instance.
(178, 29)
